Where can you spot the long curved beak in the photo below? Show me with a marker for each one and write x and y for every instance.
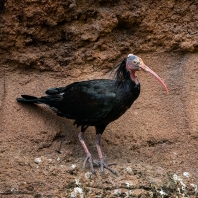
(146, 68)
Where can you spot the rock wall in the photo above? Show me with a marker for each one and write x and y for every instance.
(45, 44)
(60, 35)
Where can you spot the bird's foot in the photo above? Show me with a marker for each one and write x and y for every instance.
(104, 165)
(89, 158)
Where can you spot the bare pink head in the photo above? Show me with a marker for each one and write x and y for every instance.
(134, 63)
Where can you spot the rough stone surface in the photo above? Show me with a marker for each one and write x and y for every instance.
(46, 44)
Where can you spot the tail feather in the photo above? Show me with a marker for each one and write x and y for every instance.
(54, 91)
(27, 97)
(32, 99)
(48, 100)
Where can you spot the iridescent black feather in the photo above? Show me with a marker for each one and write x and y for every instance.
(93, 102)
(121, 74)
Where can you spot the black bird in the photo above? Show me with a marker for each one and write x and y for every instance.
(96, 102)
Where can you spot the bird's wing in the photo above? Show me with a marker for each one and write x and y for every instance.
(87, 100)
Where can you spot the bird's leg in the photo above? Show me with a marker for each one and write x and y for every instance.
(88, 158)
(101, 160)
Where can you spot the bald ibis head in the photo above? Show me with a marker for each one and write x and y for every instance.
(135, 63)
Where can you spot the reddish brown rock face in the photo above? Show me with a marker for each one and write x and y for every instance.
(47, 44)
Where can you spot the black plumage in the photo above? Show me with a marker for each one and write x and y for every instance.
(95, 102)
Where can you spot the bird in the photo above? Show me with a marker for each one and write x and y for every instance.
(96, 102)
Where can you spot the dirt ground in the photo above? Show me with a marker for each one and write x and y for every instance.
(154, 144)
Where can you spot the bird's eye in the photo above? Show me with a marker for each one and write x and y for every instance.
(134, 62)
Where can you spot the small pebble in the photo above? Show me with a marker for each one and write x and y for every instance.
(88, 175)
(37, 160)
(186, 174)
(117, 191)
(73, 166)
(77, 181)
(162, 193)
(77, 191)
(128, 185)
(128, 169)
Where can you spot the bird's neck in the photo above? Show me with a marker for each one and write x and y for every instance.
(133, 76)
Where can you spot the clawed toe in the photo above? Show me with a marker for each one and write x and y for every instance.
(93, 163)
(89, 158)
(103, 165)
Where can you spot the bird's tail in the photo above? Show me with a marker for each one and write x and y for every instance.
(33, 99)
(55, 91)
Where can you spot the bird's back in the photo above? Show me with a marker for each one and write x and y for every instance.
(93, 102)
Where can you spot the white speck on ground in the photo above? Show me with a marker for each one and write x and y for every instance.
(128, 169)
(37, 160)
(162, 193)
(186, 174)
(77, 191)
(73, 166)
(88, 175)
(117, 191)
(77, 182)
(177, 178)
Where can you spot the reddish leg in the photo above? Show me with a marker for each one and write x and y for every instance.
(101, 163)
(101, 160)
(88, 157)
